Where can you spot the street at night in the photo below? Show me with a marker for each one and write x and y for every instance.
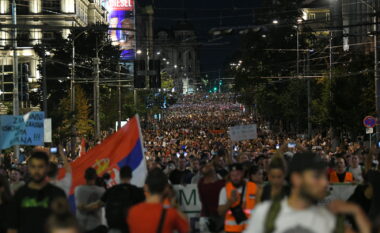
(163, 116)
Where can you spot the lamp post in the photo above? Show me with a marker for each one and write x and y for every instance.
(97, 94)
(72, 89)
(16, 104)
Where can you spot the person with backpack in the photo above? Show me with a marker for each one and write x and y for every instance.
(300, 212)
(152, 216)
(117, 201)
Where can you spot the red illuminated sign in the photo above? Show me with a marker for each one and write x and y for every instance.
(121, 5)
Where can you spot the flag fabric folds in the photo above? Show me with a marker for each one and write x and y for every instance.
(125, 147)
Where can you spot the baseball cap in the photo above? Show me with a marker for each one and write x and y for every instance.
(306, 161)
(236, 166)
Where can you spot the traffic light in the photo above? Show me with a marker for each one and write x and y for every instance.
(215, 89)
(141, 72)
(24, 83)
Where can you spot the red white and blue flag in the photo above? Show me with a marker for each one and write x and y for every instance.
(123, 148)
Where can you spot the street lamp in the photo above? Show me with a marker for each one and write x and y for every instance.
(139, 51)
(275, 21)
(72, 89)
(97, 93)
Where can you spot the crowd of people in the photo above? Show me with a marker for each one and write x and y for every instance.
(274, 183)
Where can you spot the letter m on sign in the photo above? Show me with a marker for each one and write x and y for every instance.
(187, 200)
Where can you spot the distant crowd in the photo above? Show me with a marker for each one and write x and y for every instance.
(269, 184)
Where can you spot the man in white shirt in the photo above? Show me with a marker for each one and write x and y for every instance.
(299, 213)
(356, 169)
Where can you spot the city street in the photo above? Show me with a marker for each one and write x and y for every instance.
(217, 116)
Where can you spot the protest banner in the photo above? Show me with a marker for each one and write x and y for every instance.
(190, 204)
(243, 132)
(47, 130)
(27, 130)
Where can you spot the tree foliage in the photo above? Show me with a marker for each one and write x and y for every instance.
(271, 52)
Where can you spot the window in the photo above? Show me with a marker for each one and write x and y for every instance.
(22, 7)
(328, 16)
(23, 38)
(48, 35)
(311, 16)
(51, 6)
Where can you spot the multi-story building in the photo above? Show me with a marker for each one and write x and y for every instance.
(178, 51)
(357, 21)
(48, 17)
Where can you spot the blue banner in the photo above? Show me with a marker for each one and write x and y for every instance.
(27, 130)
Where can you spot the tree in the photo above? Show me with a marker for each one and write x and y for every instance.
(58, 71)
(81, 116)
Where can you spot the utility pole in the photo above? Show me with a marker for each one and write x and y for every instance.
(309, 129)
(119, 102)
(44, 85)
(96, 97)
(2, 77)
(220, 86)
(377, 80)
(298, 51)
(72, 88)
(16, 104)
(330, 79)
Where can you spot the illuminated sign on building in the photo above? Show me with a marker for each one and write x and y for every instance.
(121, 15)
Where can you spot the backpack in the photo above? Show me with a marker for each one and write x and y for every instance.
(119, 199)
(274, 211)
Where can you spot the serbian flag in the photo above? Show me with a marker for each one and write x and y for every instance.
(123, 148)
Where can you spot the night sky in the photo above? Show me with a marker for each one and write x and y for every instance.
(215, 52)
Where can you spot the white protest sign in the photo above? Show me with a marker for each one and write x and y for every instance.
(189, 203)
(47, 130)
(243, 132)
(339, 192)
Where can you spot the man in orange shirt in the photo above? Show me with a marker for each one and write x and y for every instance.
(341, 175)
(151, 216)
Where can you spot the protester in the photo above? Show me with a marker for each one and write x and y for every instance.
(15, 179)
(31, 203)
(341, 175)
(118, 200)
(255, 175)
(65, 182)
(209, 188)
(151, 216)
(5, 198)
(61, 220)
(299, 212)
(90, 220)
(276, 187)
(196, 173)
(356, 169)
(180, 175)
(236, 200)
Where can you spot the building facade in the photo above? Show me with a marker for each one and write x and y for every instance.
(40, 17)
(178, 50)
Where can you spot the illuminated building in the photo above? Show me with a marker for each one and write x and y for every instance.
(48, 13)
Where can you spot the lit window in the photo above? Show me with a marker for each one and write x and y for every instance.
(311, 16)
(328, 16)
